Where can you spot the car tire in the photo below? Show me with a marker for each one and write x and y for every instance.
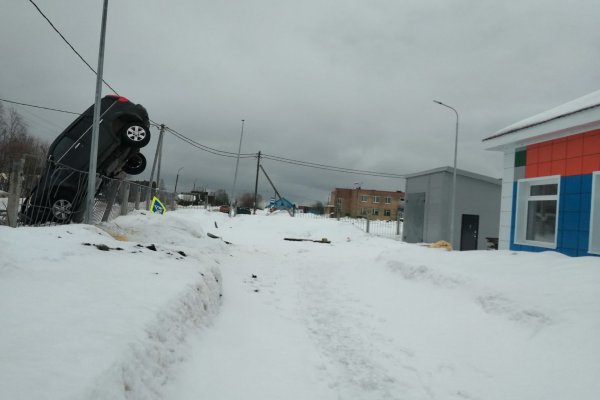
(62, 207)
(135, 135)
(135, 165)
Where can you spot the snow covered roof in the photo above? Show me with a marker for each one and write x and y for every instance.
(459, 171)
(589, 102)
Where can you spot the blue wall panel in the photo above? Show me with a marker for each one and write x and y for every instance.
(574, 217)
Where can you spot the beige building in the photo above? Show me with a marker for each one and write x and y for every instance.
(372, 204)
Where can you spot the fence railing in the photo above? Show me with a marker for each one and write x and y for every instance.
(35, 192)
(392, 229)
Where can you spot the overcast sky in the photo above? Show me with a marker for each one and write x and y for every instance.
(341, 82)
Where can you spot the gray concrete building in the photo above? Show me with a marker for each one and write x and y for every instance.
(427, 208)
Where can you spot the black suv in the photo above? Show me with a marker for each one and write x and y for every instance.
(60, 193)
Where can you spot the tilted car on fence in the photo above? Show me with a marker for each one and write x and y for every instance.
(60, 193)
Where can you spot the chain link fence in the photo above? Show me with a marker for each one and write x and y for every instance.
(35, 193)
(392, 229)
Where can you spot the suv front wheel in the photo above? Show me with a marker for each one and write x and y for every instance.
(135, 135)
(62, 206)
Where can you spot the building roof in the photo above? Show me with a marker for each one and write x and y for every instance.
(459, 171)
(581, 111)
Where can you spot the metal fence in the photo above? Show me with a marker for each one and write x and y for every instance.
(29, 194)
(392, 229)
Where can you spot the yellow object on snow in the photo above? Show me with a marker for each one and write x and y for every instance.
(441, 244)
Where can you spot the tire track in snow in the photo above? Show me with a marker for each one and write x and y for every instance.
(363, 363)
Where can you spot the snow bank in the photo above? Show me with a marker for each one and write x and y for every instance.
(84, 315)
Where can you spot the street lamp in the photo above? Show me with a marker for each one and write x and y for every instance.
(453, 173)
(237, 164)
(177, 179)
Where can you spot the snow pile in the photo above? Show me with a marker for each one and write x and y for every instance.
(86, 316)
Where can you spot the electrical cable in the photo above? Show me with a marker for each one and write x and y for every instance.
(43, 108)
(331, 167)
(208, 149)
(230, 154)
(70, 45)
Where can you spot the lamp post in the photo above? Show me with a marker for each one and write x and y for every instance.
(453, 204)
(177, 179)
(237, 164)
(91, 183)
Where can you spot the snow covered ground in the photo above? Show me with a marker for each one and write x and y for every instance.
(263, 318)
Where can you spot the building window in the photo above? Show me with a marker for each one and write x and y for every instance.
(338, 202)
(364, 198)
(387, 213)
(376, 199)
(376, 211)
(537, 211)
(595, 215)
(364, 211)
(388, 200)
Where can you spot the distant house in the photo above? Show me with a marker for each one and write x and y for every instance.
(280, 204)
(428, 209)
(551, 182)
(367, 203)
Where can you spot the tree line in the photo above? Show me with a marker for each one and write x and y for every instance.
(15, 143)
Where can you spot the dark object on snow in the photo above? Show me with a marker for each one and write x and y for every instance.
(324, 240)
(216, 226)
(254, 276)
(102, 247)
(60, 193)
(182, 253)
(210, 235)
(151, 247)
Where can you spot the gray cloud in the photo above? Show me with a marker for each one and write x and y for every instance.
(344, 83)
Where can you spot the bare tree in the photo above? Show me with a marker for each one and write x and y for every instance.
(221, 197)
(247, 200)
(17, 143)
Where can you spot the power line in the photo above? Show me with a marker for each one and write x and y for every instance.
(70, 45)
(43, 108)
(207, 149)
(230, 154)
(331, 167)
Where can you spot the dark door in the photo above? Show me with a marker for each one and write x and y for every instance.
(414, 217)
(469, 232)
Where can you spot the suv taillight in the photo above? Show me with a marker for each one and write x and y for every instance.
(120, 99)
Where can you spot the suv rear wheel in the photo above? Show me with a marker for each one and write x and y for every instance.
(135, 135)
(136, 164)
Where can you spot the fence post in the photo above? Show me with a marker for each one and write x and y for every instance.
(111, 195)
(125, 198)
(14, 192)
(136, 197)
(368, 223)
(173, 205)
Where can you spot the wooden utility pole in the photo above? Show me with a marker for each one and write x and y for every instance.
(256, 182)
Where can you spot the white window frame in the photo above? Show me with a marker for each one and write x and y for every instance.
(523, 197)
(375, 211)
(388, 200)
(387, 213)
(594, 243)
(364, 198)
(376, 199)
(339, 202)
(364, 211)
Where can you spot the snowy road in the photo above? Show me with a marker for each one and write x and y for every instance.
(342, 321)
